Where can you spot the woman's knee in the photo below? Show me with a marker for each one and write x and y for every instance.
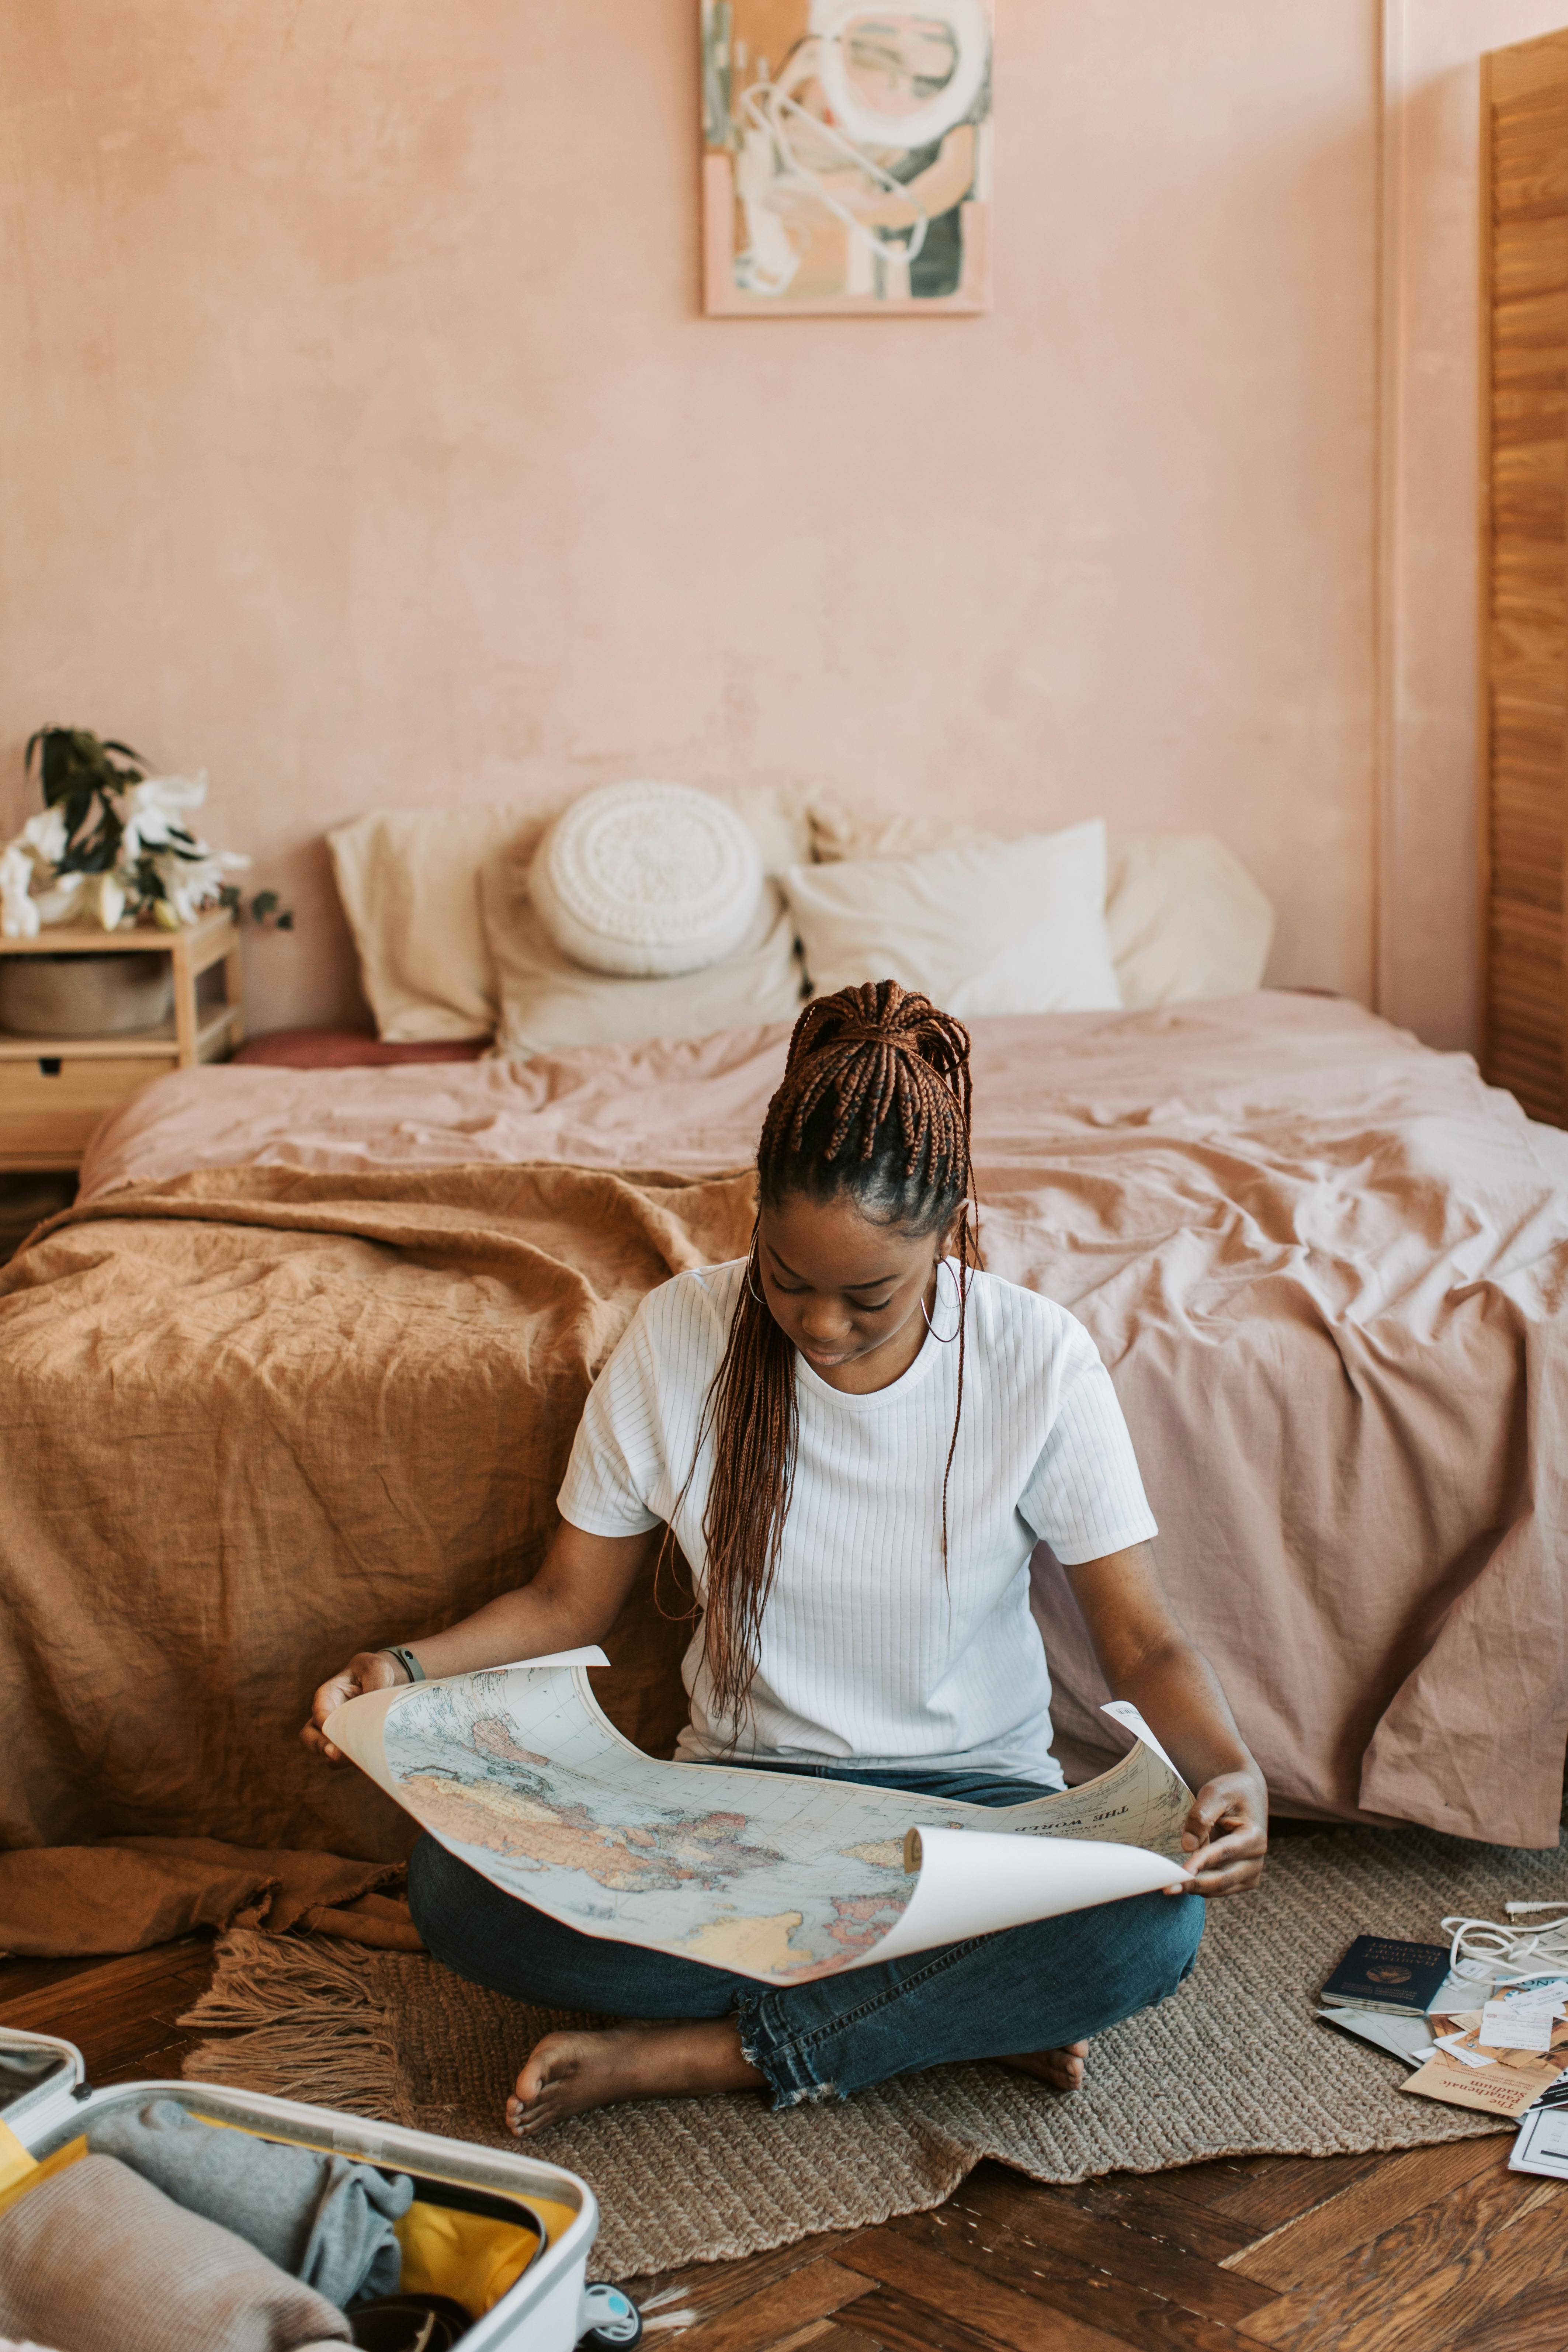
(444, 1894)
(476, 1929)
(426, 1868)
(479, 1931)
(1169, 1929)
(1130, 1955)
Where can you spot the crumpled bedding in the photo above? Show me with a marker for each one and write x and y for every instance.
(320, 1392)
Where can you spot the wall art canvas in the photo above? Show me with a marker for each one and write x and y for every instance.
(847, 157)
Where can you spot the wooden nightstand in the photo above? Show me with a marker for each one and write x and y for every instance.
(54, 1091)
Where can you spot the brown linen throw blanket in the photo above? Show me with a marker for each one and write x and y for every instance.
(254, 1417)
(256, 1421)
(124, 1894)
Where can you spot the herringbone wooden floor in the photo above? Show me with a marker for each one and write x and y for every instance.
(1420, 2252)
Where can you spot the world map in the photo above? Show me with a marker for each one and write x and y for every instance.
(778, 1877)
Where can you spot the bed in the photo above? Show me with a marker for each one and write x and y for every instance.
(300, 1369)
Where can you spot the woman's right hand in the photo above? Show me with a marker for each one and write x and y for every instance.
(367, 1670)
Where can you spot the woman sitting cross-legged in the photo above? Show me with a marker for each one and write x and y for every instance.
(858, 1439)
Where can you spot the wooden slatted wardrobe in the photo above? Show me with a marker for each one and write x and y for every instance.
(1524, 572)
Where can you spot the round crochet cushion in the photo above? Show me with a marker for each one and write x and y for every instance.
(647, 880)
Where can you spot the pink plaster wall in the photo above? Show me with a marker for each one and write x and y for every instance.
(361, 441)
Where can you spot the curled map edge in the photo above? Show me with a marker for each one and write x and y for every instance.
(978, 1869)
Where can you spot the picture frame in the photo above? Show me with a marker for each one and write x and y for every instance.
(846, 157)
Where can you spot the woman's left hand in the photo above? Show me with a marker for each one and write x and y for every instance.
(1227, 1835)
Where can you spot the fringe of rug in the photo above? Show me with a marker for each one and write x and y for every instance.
(306, 2023)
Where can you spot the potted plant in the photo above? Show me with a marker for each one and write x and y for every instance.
(112, 847)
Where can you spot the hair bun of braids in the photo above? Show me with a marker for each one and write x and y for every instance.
(877, 1078)
(880, 1013)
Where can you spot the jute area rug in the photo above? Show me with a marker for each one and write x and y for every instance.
(1236, 2064)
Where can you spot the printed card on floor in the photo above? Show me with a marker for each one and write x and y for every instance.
(1514, 2025)
(1500, 2082)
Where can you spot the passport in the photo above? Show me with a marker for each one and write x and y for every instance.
(1380, 1972)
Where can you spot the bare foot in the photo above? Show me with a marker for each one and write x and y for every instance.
(567, 2073)
(1062, 2069)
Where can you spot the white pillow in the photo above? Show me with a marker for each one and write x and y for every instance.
(409, 882)
(1185, 917)
(994, 927)
(550, 1002)
(647, 880)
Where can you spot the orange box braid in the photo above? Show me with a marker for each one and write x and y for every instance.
(876, 1101)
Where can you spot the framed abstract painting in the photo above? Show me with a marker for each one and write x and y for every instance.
(847, 157)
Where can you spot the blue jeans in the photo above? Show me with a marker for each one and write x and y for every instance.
(1025, 1988)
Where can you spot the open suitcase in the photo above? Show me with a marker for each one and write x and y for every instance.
(550, 2216)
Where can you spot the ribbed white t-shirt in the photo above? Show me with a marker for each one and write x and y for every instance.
(868, 1652)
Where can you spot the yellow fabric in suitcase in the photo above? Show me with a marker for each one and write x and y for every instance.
(465, 2255)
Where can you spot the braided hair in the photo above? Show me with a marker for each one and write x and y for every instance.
(875, 1104)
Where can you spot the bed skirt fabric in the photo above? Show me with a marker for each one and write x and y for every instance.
(255, 1416)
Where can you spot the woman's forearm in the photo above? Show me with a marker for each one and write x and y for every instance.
(1146, 1658)
(1178, 1694)
(573, 1601)
(528, 1623)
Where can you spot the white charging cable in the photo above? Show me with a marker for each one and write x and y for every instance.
(1484, 1948)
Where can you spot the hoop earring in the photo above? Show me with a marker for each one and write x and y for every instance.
(930, 1326)
(752, 1287)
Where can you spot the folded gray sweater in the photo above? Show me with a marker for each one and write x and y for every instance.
(321, 2219)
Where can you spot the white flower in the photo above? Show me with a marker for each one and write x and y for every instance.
(154, 813)
(190, 875)
(19, 915)
(45, 836)
(190, 883)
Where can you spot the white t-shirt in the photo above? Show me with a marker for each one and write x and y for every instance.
(868, 1652)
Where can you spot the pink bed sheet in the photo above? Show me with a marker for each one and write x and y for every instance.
(1329, 1271)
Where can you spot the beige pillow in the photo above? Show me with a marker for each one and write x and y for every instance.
(409, 881)
(994, 927)
(837, 833)
(781, 821)
(548, 1003)
(1185, 917)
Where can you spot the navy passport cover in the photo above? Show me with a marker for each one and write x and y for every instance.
(1380, 1972)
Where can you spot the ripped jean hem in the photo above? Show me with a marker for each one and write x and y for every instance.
(791, 2064)
(767, 2062)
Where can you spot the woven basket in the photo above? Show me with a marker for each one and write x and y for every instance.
(84, 995)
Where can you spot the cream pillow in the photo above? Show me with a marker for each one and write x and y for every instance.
(548, 1002)
(993, 927)
(781, 821)
(1185, 917)
(409, 882)
(837, 833)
